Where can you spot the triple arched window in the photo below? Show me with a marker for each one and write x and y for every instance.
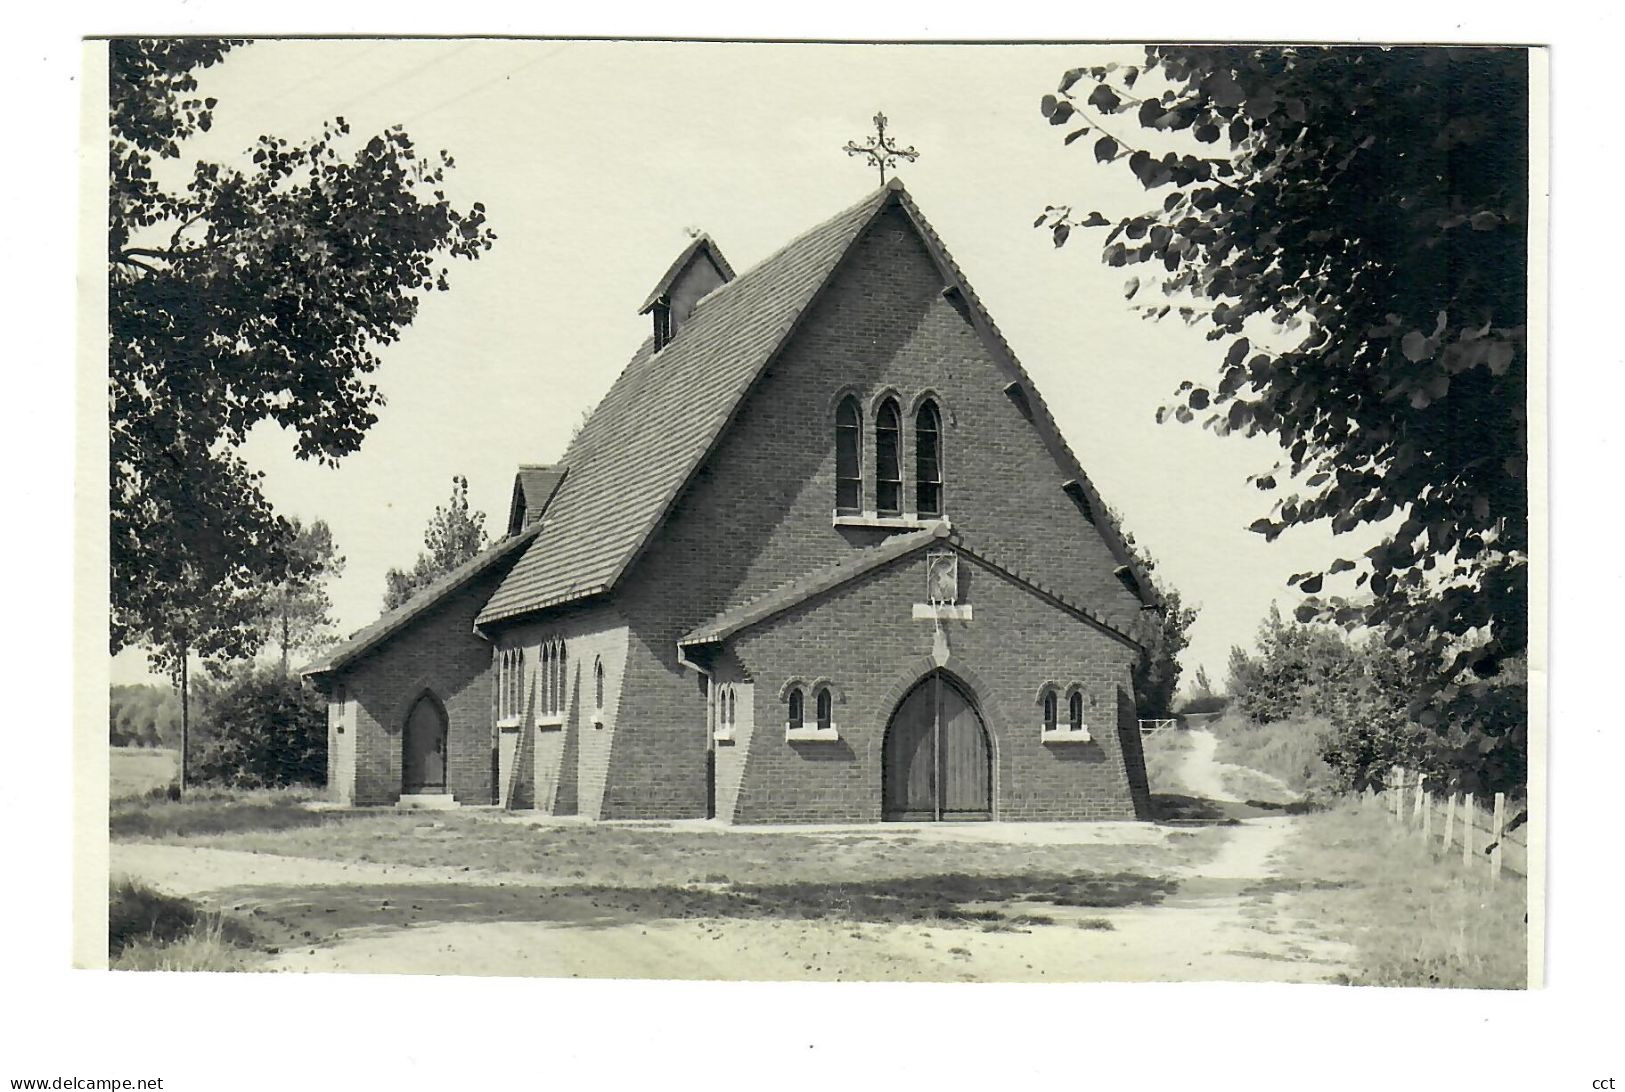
(890, 491)
(510, 683)
(550, 677)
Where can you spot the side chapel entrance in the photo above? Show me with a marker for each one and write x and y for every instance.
(936, 763)
(423, 763)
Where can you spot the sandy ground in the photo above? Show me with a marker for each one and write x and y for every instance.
(1219, 922)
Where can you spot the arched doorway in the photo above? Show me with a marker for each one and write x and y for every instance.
(936, 762)
(423, 763)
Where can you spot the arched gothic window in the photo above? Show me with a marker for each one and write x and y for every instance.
(510, 683)
(848, 456)
(796, 716)
(550, 676)
(928, 459)
(822, 704)
(1050, 710)
(888, 460)
(1074, 710)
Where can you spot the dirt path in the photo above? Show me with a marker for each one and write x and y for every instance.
(1218, 923)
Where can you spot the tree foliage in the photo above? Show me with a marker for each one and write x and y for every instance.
(237, 294)
(454, 535)
(1349, 224)
(142, 716)
(263, 728)
(298, 614)
(1364, 690)
(1164, 633)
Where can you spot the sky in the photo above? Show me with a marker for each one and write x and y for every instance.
(593, 160)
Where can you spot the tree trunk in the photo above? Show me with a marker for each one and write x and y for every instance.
(186, 719)
(284, 637)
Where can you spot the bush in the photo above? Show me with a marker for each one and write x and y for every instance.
(263, 729)
(1471, 735)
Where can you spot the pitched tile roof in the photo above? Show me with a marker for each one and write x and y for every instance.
(663, 415)
(819, 581)
(392, 622)
(667, 410)
(814, 583)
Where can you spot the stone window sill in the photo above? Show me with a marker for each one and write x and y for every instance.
(905, 522)
(550, 724)
(811, 735)
(723, 735)
(1064, 735)
(508, 723)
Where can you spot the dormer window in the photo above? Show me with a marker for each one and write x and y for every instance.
(699, 270)
(662, 314)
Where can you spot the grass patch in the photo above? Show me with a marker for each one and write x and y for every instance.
(150, 931)
(136, 771)
(638, 856)
(1287, 749)
(208, 810)
(1164, 755)
(1414, 918)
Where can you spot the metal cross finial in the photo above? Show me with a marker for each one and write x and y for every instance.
(880, 151)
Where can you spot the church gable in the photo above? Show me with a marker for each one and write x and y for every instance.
(885, 411)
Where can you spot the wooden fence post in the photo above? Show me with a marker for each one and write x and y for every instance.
(1449, 819)
(1427, 819)
(1497, 831)
(1421, 804)
(1467, 829)
(1399, 793)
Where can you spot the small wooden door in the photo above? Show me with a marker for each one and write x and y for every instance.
(936, 762)
(423, 766)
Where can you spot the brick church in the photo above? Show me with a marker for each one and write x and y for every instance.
(820, 555)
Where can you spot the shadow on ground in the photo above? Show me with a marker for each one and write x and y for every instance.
(1176, 808)
(305, 916)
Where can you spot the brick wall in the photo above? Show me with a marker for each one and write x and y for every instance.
(569, 765)
(438, 653)
(1015, 644)
(759, 512)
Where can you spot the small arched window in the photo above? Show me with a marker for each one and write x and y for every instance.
(1050, 710)
(928, 459)
(822, 704)
(598, 685)
(848, 456)
(888, 460)
(1074, 711)
(796, 716)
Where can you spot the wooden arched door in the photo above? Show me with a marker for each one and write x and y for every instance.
(423, 763)
(936, 762)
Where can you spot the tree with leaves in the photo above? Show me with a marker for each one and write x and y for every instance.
(1163, 633)
(1349, 224)
(241, 293)
(454, 535)
(298, 614)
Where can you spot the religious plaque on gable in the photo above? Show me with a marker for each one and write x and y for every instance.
(942, 578)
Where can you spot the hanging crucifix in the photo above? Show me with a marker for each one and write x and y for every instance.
(882, 152)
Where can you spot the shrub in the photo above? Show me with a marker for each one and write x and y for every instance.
(264, 729)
